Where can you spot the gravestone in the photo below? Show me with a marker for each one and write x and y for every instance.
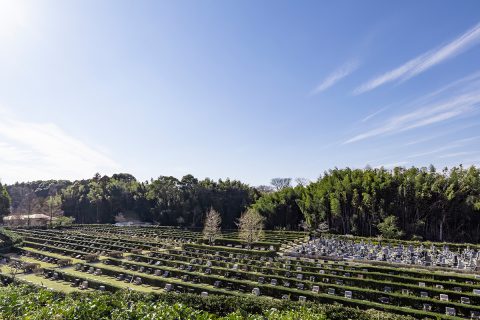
(384, 300)
(450, 311)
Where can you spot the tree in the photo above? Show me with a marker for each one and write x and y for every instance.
(280, 183)
(53, 206)
(4, 201)
(264, 189)
(29, 204)
(281, 208)
(250, 226)
(389, 228)
(212, 226)
(303, 182)
(322, 228)
(97, 194)
(63, 221)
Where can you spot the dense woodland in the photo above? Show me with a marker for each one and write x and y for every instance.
(414, 203)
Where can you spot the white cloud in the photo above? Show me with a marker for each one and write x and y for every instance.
(373, 114)
(457, 154)
(425, 61)
(452, 145)
(456, 100)
(14, 17)
(336, 76)
(30, 151)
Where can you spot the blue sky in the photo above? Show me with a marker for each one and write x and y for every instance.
(249, 90)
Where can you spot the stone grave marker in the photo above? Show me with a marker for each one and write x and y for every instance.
(465, 300)
(449, 311)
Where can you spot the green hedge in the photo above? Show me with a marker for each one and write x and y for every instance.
(26, 302)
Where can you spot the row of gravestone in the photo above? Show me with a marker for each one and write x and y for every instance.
(346, 249)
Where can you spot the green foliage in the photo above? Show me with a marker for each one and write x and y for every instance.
(4, 201)
(440, 206)
(26, 302)
(63, 221)
(9, 238)
(389, 229)
(429, 205)
(166, 200)
(280, 208)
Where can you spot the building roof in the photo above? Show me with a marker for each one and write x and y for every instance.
(26, 217)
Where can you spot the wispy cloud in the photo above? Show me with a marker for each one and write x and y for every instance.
(336, 76)
(453, 145)
(425, 116)
(457, 154)
(374, 114)
(441, 134)
(425, 61)
(30, 150)
(441, 106)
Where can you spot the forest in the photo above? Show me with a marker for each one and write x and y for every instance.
(402, 203)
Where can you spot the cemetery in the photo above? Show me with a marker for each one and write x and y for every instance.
(438, 281)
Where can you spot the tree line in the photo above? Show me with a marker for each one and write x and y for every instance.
(407, 203)
(413, 203)
(165, 200)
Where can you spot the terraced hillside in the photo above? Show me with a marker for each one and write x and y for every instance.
(159, 259)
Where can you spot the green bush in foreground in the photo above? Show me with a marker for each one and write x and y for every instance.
(26, 302)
